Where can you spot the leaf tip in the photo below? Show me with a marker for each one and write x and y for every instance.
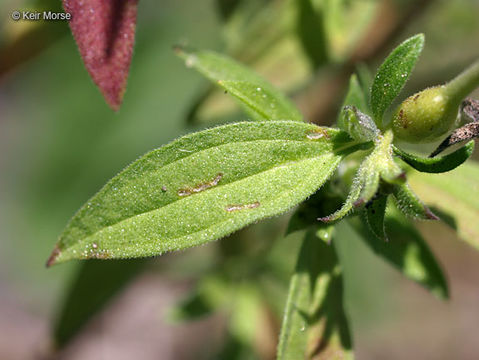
(53, 256)
(430, 215)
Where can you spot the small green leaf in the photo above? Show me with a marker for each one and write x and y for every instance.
(410, 204)
(365, 78)
(202, 187)
(405, 250)
(315, 324)
(455, 193)
(374, 216)
(358, 125)
(437, 164)
(393, 74)
(264, 101)
(312, 33)
(378, 165)
(95, 283)
(355, 97)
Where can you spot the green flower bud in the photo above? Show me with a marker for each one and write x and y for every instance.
(425, 116)
(431, 113)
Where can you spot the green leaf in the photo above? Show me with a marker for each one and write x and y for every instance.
(410, 204)
(437, 164)
(315, 324)
(393, 74)
(455, 193)
(355, 97)
(374, 216)
(378, 165)
(312, 33)
(258, 95)
(365, 78)
(358, 125)
(405, 250)
(94, 285)
(202, 187)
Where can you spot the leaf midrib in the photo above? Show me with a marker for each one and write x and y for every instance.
(186, 198)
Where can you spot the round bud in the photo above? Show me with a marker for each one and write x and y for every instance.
(425, 116)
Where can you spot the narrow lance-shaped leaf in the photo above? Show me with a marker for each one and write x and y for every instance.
(105, 33)
(455, 193)
(405, 250)
(315, 325)
(393, 74)
(202, 187)
(258, 95)
(312, 33)
(438, 164)
(93, 286)
(410, 204)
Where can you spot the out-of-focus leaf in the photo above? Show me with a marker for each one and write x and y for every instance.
(346, 23)
(211, 293)
(455, 193)
(315, 325)
(202, 187)
(365, 79)
(265, 102)
(105, 33)
(311, 32)
(393, 74)
(95, 284)
(406, 250)
(437, 164)
(227, 7)
(374, 215)
(410, 204)
(355, 97)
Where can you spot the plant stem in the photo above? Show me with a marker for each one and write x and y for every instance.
(463, 84)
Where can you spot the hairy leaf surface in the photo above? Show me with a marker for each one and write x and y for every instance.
(264, 101)
(437, 164)
(393, 74)
(202, 187)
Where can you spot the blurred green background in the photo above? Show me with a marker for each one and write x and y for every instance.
(59, 143)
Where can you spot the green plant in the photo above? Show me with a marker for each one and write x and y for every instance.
(209, 184)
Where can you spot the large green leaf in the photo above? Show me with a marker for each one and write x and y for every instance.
(393, 74)
(455, 193)
(315, 325)
(405, 250)
(262, 100)
(202, 187)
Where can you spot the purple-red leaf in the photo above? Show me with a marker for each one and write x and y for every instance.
(105, 33)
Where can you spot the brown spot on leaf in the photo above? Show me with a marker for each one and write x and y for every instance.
(237, 207)
(200, 187)
(105, 33)
(318, 134)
